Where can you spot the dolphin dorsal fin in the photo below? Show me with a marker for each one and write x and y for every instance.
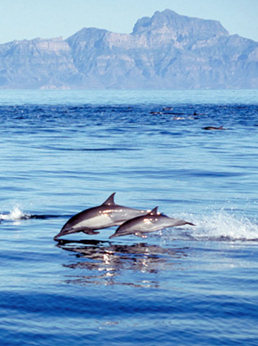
(154, 211)
(110, 200)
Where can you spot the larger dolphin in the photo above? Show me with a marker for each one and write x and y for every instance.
(107, 214)
(152, 221)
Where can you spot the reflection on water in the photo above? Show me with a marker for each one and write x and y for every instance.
(102, 262)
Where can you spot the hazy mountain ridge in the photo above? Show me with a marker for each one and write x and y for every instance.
(165, 51)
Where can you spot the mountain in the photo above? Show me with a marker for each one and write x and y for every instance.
(166, 51)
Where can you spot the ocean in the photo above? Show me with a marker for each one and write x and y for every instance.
(65, 151)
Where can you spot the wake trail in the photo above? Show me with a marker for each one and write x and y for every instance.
(17, 214)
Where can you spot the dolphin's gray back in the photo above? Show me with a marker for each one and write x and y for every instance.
(122, 214)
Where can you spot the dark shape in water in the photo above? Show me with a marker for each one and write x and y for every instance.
(39, 217)
(105, 215)
(213, 128)
(151, 222)
(156, 113)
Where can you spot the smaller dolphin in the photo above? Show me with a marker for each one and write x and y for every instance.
(152, 221)
(106, 215)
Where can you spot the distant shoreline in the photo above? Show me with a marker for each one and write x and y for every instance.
(120, 97)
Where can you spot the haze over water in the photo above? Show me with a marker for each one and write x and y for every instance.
(65, 151)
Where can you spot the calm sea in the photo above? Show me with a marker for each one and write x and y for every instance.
(65, 151)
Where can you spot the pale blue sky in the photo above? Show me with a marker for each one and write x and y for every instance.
(27, 19)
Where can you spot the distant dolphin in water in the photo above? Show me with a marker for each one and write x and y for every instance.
(213, 128)
(105, 215)
(152, 221)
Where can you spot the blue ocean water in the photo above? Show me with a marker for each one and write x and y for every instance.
(65, 151)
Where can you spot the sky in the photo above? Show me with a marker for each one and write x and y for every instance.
(28, 19)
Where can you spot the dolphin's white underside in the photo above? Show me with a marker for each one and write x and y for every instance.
(96, 222)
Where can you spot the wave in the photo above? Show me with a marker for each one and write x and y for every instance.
(111, 149)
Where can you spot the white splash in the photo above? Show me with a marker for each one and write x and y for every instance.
(14, 215)
(222, 226)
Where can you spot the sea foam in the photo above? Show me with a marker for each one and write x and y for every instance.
(219, 225)
(14, 215)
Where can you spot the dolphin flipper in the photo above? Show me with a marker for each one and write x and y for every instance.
(75, 230)
(89, 231)
(85, 230)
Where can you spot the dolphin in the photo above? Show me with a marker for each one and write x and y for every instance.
(213, 128)
(106, 215)
(150, 222)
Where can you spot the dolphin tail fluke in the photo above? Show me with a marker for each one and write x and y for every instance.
(183, 222)
(190, 223)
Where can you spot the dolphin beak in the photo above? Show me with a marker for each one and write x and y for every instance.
(64, 232)
(57, 236)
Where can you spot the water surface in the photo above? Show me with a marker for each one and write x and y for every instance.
(62, 152)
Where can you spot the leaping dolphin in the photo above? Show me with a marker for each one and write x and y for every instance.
(152, 221)
(106, 215)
